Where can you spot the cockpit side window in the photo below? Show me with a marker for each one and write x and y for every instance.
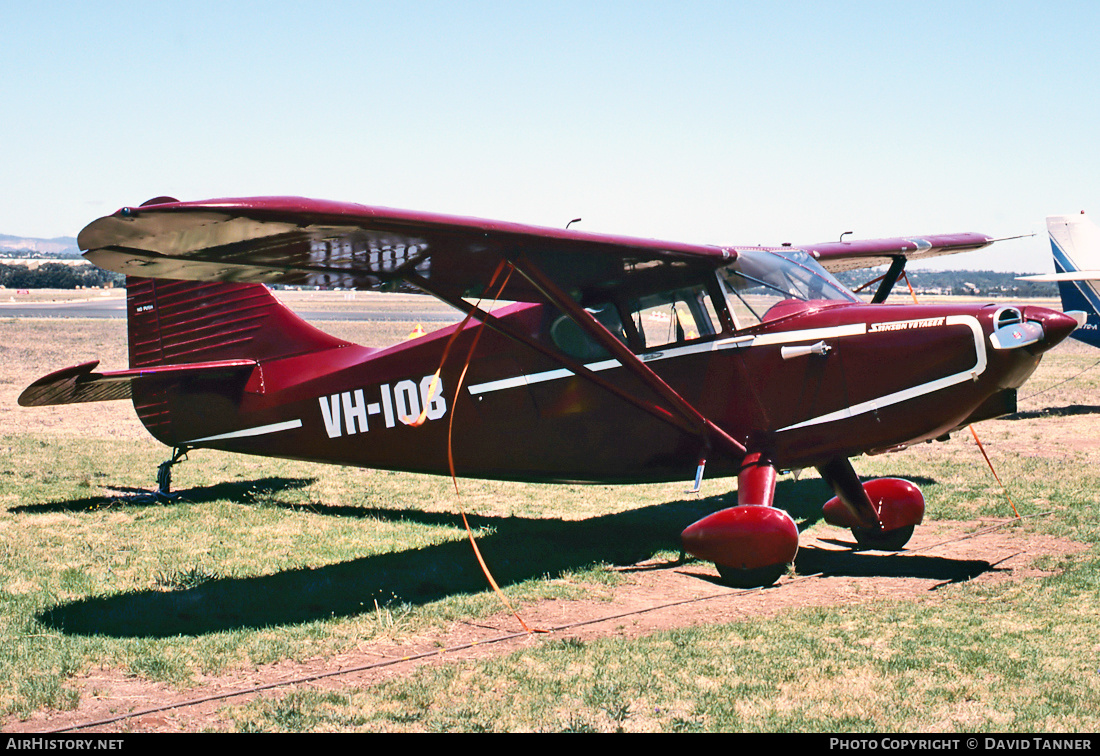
(749, 300)
(674, 317)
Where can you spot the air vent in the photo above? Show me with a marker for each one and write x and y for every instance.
(1007, 316)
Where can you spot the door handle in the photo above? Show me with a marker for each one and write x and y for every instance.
(820, 348)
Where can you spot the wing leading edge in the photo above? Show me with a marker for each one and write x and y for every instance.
(869, 253)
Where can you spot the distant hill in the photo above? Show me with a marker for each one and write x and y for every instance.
(19, 246)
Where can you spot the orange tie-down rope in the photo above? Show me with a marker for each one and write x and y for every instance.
(973, 432)
(432, 387)
(912, 293)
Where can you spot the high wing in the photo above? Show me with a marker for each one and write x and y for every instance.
(292, 240)
(298, 241)
(896, 252)
(848, 255)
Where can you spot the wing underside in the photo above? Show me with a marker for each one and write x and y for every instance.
(306, 242)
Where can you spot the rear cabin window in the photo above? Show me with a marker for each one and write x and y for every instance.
(575, 341)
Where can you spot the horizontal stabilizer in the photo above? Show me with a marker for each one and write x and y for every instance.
(1073, 275)
(80, 384)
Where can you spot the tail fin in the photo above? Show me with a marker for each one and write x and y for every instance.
(1075, 244)
(177, 322)
(184, 322)
(193, 348)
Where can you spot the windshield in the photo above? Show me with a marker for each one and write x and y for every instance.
(758, 280)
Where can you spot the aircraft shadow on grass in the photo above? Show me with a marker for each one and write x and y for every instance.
(242, 491)
(1067, 411)
(515, 548)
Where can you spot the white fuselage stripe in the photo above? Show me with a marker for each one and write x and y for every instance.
(915, 391)
(773, 339)
(737, 342)
(259, 430)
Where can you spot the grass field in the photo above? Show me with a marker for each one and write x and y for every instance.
(265, 562)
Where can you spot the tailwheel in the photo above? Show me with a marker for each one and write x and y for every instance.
(883, 540)
(761, 577)
(164, 473)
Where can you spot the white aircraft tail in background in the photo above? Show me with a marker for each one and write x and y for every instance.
(1075, 244)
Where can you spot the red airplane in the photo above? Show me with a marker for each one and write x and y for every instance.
(622, 360)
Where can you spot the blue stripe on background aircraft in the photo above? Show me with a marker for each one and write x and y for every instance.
(1075, 245)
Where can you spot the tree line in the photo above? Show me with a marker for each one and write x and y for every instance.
(989, 283)
(57, 276)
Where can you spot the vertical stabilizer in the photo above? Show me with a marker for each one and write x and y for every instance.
(1075, 245)
(182, 322)
(177, 322)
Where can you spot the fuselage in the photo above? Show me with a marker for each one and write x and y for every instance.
(624, 359)
(816, 381)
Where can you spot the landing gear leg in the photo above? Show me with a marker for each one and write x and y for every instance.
(164, 473)
(850, 496)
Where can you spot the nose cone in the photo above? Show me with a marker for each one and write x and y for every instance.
(1056, 326)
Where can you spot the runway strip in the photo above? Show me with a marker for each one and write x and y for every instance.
(116, 308)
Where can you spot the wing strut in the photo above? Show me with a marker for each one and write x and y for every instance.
(567, 362)
(897, 267)
(704, 427)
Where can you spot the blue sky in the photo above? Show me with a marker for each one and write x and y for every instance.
(715, 122)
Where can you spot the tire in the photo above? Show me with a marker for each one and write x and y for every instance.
(883, 540)
(760, 577)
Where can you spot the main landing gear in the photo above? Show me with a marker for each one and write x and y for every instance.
(881, 513)
(753, 543)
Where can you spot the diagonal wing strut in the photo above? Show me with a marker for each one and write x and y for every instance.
(710, 432)
(505, 329)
